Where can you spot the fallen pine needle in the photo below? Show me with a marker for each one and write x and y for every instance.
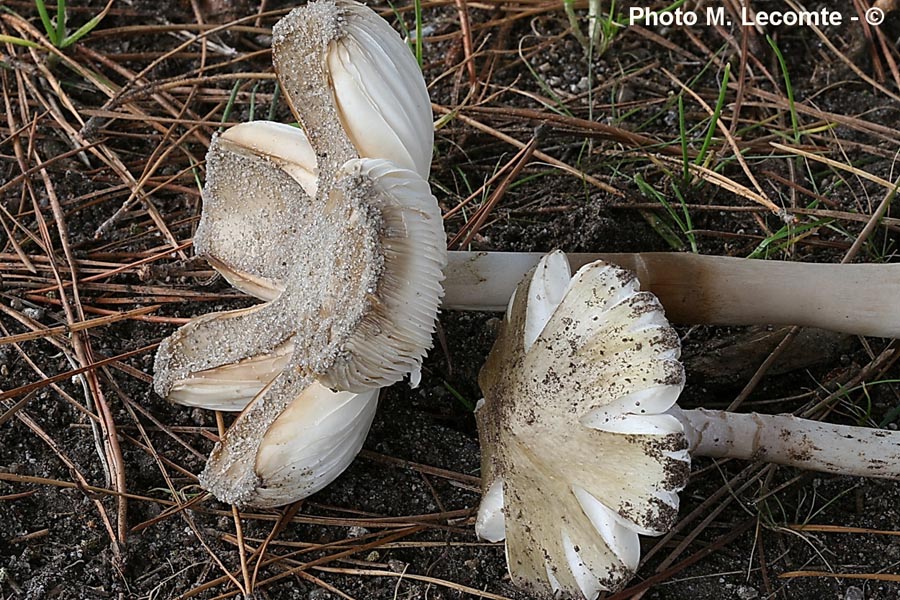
(868, 576)
(424, 578)
(842, 529)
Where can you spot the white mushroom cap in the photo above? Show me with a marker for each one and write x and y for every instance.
(360, 272)
(286, 146)
(574, 428)
(351, 250)
(241, 233)
(378, 95)
(312, 442)
(260, 186)
(490, 524)
(230, 345)
(293, 440)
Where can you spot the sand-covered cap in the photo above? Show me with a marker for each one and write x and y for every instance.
(351, 250)
(231, 387)
(578, 453)
(354, 275)
(348, 76)
(251, 204)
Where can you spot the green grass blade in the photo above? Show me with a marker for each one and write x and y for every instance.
(274, 106)
(569, 7)
(252, 112)
(688, 222)
(787, 86)
(230, 105)
(17, 41)
(196, 171)
(61, 22)
(82, 31)
(594, 9)
(664, 230)
(87, 27)
(45, 19)
(419, 28)
(701, 156)
(404, 31)
(560, 107)
(682, 132)
(787, 235)
(459, 397)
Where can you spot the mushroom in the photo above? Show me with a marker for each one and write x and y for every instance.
(343, 243)
(357, 268)
(295, 438)
(583, 446)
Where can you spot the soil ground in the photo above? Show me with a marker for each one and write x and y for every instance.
(410, 497)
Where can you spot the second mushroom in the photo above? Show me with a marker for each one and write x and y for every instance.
(583, 445)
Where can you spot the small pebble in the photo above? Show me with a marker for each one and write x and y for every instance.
(854, 593)
(492, 326)
(582, 85)
(34, 313)
(198, 416)
(397, 566)
(745, 592)
(357, 531)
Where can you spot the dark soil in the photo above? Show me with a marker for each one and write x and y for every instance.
(53, 543)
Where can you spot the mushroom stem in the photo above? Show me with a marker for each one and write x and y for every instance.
(792, 441)
(715, 290)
